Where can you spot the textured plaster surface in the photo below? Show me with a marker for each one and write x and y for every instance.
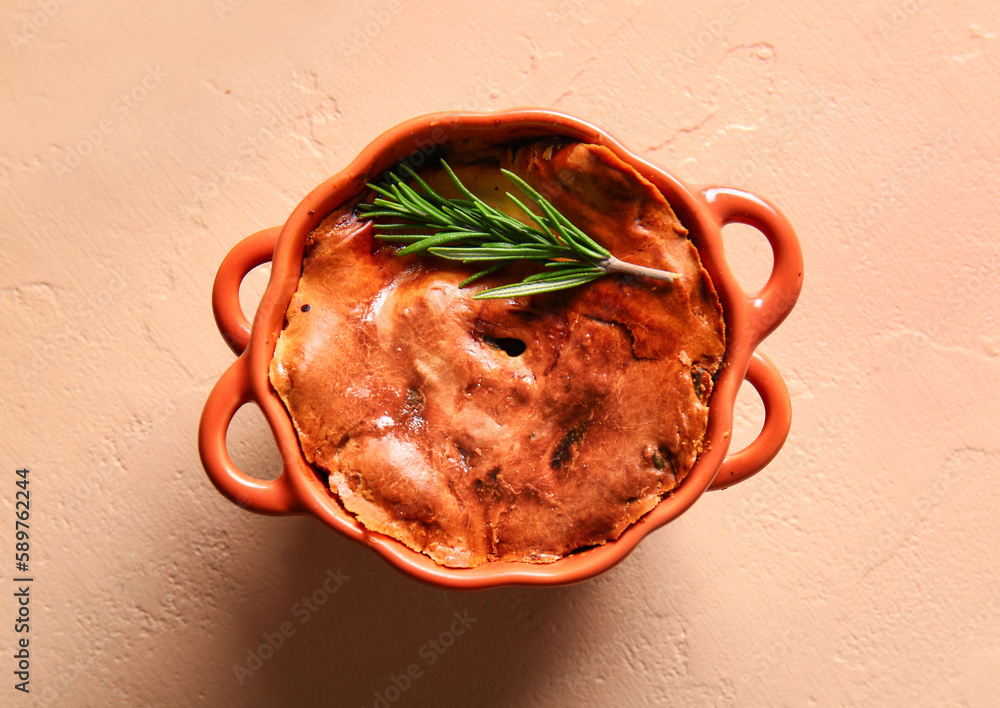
(140, 142)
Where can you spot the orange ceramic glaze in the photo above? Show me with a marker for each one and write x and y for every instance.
(749, 319)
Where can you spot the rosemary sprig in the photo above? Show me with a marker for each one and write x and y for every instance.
(472, 231)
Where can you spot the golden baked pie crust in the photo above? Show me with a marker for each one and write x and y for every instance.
(428, 431)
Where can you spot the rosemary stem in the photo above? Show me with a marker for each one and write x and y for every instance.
(615, 265)
(470, 230)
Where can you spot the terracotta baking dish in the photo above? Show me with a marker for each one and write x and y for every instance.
(298, 490)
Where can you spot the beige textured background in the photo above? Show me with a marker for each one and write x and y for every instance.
(140, 141)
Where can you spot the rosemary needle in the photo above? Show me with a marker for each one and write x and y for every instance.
(472, 231)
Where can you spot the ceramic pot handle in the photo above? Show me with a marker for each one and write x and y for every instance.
(249, 253)
(775, 300)
(231, 392)
(764, 377)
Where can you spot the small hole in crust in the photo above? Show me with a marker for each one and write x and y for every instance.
(509, 345)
